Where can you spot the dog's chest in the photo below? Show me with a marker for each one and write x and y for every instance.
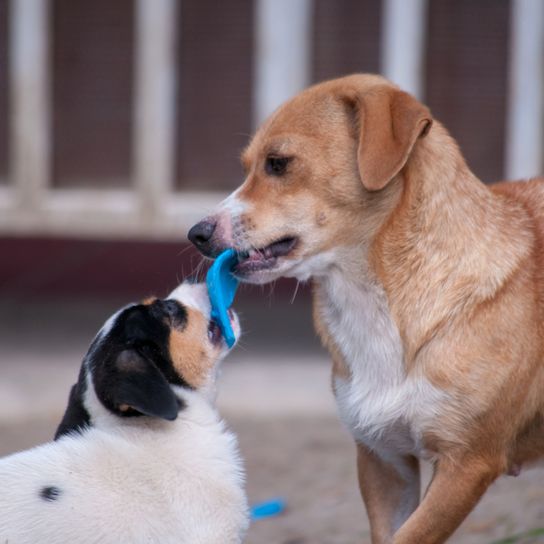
(381, 406)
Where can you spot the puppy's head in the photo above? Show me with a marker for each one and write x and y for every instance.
(146, 355)
(319, 177)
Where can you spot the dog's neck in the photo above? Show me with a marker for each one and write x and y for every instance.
(448, 243)
(443, 243)
(196, 409)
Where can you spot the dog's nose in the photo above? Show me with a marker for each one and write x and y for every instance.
(201, 234)
(173, 311)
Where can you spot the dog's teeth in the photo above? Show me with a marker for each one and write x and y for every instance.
(268, 253)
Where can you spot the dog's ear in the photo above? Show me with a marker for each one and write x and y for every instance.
(389, 123)
(134, 385)
(76, 418)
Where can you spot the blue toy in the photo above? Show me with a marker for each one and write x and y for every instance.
(222, 286)
(268, 509)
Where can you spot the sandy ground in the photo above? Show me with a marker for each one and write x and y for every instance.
(279, 404)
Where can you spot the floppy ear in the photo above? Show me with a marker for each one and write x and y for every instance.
(390, 122)
(134, 383)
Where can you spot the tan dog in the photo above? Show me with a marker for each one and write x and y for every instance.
(428, 292)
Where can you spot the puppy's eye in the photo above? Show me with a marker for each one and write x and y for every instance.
(276, 166)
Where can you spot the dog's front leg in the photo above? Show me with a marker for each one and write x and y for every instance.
(456, 487)
(390, 491)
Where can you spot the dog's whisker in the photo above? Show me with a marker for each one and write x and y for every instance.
(185, 250)
(198, 271)
(271, 291)
(295, 292)
(241, 346)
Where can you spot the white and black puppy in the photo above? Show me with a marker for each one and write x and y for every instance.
(141, 455)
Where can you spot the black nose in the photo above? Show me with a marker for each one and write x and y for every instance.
(201, 234)
(171, 309)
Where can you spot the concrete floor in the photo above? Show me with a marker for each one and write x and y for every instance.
(274, 392)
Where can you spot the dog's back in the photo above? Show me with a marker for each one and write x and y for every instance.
(530, 194)
(169, 482)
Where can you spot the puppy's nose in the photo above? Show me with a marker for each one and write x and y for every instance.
(174, 311)
(201, 234)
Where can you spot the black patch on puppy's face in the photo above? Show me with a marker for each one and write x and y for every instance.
(130, 366)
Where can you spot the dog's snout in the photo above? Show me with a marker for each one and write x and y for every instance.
(201, 235)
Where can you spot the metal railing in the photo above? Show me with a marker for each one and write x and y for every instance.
(151, 207)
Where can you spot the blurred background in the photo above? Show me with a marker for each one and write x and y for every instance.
(121, 123)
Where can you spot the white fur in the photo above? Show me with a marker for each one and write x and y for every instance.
(307, 267)
(233, 205)
(193, 295)
(228, 217)
(145, 481)
(383, 407)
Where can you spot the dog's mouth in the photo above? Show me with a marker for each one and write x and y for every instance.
(214, 331)
(264, 258)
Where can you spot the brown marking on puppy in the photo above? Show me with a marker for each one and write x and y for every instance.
(190, 357)
(148, 301)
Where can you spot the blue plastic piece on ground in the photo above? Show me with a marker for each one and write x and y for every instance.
(222, 287)
(267, 509)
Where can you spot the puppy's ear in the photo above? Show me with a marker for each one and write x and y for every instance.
(134, 384)
(390, 121)
(76, 418)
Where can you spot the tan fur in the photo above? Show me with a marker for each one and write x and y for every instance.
(375, 180)
(389, 126)
(382, 488)
(191, 356)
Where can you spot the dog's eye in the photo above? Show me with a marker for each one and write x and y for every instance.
(276, 166)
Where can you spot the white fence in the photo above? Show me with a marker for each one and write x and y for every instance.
(152, 208)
